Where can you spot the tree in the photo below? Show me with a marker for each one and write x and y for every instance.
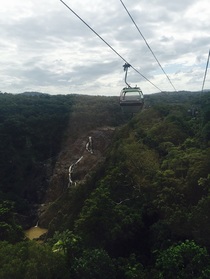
(9, 229)
(186, 260)
(129, 268)
(93, 264)
(29, 260)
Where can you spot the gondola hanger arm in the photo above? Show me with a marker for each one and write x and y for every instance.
(126, 66)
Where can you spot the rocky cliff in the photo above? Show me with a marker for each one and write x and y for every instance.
(75, 163)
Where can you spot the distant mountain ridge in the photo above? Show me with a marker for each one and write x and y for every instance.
(33, 93)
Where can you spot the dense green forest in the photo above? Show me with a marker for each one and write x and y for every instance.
(143, 213)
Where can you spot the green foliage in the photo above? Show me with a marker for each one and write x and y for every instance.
(186, 260)
(199, 220)
(151, 193)
(67, 244)
(31, 131)
(130, 268)
(93, 264)
(82, 262)
(94, 221)
(9, 229)
(30, 260)
(108, 218)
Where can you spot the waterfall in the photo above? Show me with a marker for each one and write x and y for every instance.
(71, 168)
(89, 148)
(89, 145)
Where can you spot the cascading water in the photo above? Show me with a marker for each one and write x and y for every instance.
(89, 148)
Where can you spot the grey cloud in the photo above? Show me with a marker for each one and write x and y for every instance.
(54, 48)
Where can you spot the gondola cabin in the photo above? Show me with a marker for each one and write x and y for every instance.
(131, 99)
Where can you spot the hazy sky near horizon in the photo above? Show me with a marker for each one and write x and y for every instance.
(46, 48)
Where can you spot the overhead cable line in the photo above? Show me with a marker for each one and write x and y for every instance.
(147, 45)
(109, 45)
(204, 79)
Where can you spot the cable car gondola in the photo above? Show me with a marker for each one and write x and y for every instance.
(131, 98)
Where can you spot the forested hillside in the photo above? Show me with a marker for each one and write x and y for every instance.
(142, 212)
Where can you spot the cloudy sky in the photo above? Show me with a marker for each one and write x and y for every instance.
(46, 48)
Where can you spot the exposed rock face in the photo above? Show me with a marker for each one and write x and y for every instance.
(83, 156)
